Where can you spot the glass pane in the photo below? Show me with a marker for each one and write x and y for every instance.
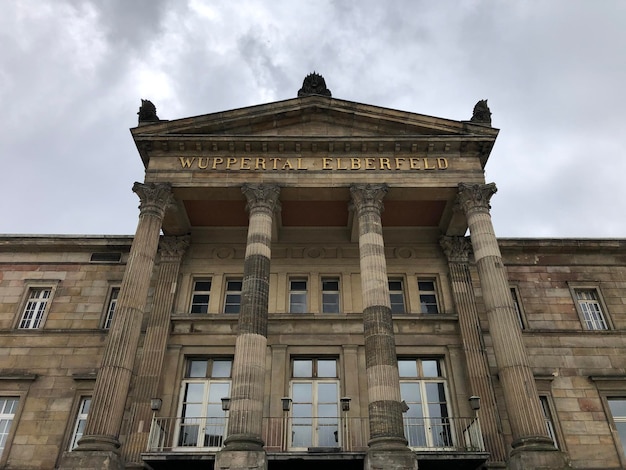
(197, 368)
(407, 368)
(203, 286)
(330, 303)
(431, 368)
(437, 410)
(194, 393)
(218, 391)
(621, 430)
(435, 393)
(191, 412)
(234, 285)
(426, 286)
(327, 411)
(298, 285)
(395, 285)
(332, 285)
(326, 368)
(221, 368)
(214, 412)
(188, 435)
(410, 392)
(327, 393)
(86, 404)
(302, 435)
(302, 393)
(303, 411)
(303, 368)
(327, 435)
(414, 432)
(618, 407)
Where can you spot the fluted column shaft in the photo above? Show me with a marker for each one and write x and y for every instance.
(383, 382)
(112, 384)
(247, 393)
(149, 370)
(457, 251)
(520, 392)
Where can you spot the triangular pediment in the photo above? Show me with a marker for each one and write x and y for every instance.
(312, 116)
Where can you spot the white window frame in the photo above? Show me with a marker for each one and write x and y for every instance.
(9, 409)
(203, 422)
(615, 421)
(424, 427)
(315, 422)
(297, 306)
(38, 308)
(111, 304)
(431, 292)
(602, 320)
(396, 292)
(334, 293)
(228, 293)
(196, 293)
(548, 417)
(519, 308)
(81, 420)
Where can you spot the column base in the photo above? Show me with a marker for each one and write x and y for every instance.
(91, 460)
(389, 454)
(537, 458)
(241, 460)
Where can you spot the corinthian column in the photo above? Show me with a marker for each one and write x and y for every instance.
(243, 448)
(457, 251)
(113, 380)
(532, 447)
(387, 446)
(149, 371)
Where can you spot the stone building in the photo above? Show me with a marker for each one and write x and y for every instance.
(312, 282)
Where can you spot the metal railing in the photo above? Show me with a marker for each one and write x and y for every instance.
(289, 434)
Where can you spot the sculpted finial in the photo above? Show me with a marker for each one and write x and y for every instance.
(147, 112)
(481, 114)
(314, 84)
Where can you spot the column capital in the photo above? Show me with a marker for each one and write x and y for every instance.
(172, 249)
(456, 249)
(261, 196)
(154, 197)
(368, 196)
(475, 197)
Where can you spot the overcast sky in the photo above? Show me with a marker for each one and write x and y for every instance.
(72, 73)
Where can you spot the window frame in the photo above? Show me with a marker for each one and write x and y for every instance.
(207, 381)
(519, 307)
(434, 292)
(195, 292)
(20, 391)
(31, 286)
(402, 291)
(228, 293)
(295, 292)
(575, 288)
(337, 292)
(549, 417)
(79, 417)
(109, 307)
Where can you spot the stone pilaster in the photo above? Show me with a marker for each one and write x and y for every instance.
(243, 448)
(457, 250)
(387, 446)
(146, 386)
(532, 447)
(101, 435)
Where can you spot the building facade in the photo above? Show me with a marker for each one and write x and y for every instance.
(312, 282)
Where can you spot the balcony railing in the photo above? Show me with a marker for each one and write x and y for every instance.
(310, 434)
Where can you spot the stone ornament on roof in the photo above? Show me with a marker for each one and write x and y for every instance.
(147, 112)
(482, 114)
(314, 84)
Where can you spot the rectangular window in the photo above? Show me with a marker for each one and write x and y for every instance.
(200, 296)
(547, 417)
(315, 406)
(590, 309)
(617, 406)
(298, 296)
(8, 407)
(202, 420)
(81, 421)
(108, 318)
(423, 389)
(232, 300)
(428, 296)
(396, 295)
(518, 308)
(35, 308)
(330, 295)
